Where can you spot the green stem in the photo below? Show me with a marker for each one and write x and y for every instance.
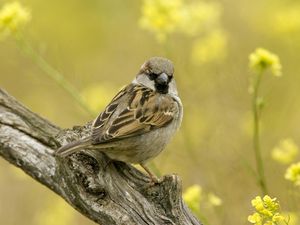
(256, 138)
(52, 73)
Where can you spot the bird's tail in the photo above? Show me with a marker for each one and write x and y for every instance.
(73, 147)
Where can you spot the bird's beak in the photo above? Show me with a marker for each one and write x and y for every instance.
(162, 79)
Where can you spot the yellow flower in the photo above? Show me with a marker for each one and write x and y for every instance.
(293, 173)
(255, 218)
(262, 60)
(269, 223)
(199, 16)
(161, 17)
(277, 218)
(209, 48)
(267, 211)
(97, 96)
(257, 201)
(285, 152)
(164, 17)
(192, 197)
(214, 200)
(13, 16)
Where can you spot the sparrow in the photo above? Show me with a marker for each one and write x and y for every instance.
(139, 121)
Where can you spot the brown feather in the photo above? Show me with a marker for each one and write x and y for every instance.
(146, 110)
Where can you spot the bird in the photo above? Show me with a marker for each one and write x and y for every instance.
(139, 121)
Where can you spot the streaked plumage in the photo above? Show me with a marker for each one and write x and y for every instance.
(140, 120)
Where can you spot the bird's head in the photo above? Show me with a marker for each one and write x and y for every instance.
(157, 74)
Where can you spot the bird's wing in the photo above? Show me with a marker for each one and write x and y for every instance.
(144, 110)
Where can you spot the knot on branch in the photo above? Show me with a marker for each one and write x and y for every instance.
(80, 175)
(86, 170)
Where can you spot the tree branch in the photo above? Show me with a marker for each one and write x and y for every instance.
(107, 192)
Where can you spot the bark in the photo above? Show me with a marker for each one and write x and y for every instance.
(105, 191)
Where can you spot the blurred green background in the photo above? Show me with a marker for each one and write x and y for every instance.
(99, 47)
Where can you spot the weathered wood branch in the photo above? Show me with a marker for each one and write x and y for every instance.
(107, 192)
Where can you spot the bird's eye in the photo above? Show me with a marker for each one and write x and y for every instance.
(152, 76)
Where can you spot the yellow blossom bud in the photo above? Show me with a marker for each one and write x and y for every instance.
(277, 218)
(196, 16)
(164, 17)
(285, 152)
(210, 48)
(214, 200)
(255, 218)
(293, 173)
(13, 16)
(267, 211)
(262, 59)
(192, 197)
(161, 17)
(269, 223)
(271, 203)
(91, 95)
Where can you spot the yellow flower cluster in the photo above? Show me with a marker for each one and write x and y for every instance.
(198, 19)
(13, 16)
(285, 152)
(91, 96)
(267, 211)
(198, 16)
(192, 196)
(163, 17)
(293, 173)
(262, 59)
(209, 48)
(214, 200)
(195, 197)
